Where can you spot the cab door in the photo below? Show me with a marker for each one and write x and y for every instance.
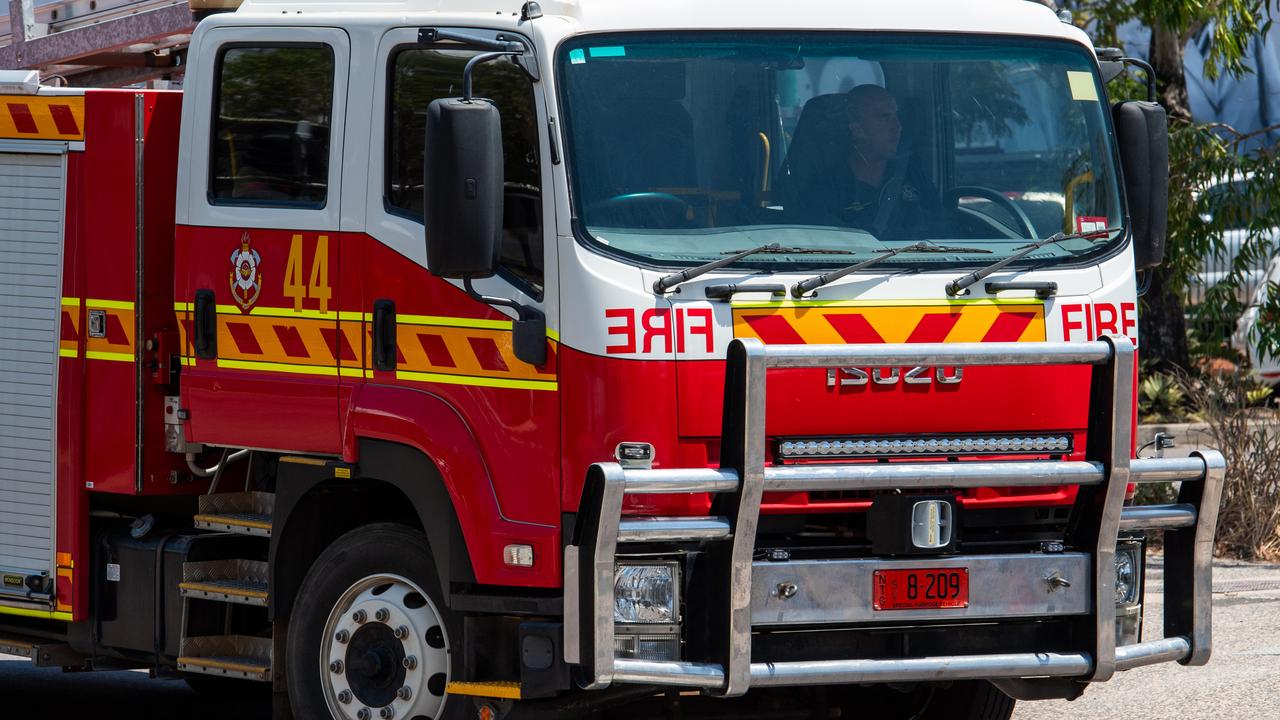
(259, 239)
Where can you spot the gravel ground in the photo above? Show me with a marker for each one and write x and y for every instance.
(1241, 682)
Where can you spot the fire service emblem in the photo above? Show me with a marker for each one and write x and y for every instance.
(246, 281)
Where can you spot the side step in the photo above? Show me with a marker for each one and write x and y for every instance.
(234, 656)
(243, 582)
(246, 513)
(43, 652)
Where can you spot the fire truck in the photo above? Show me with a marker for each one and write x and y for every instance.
(498, 358)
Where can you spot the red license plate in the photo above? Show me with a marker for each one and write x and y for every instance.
(920, 589)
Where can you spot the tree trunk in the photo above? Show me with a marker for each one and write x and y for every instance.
(1162, 324)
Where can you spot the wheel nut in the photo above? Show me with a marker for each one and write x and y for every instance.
(404, 693)
(344, 697)
(335, 667)
(342, 636)
(387, 712)
(359, 616)
(402, 632)
(382, 615)
(410, 662)
(364, 714)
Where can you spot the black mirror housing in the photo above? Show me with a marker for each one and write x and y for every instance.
(1142, 130)
(462, 188)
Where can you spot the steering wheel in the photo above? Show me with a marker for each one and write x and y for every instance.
(643, 209)
(953, 196)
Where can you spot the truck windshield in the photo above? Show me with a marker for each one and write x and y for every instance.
(683, 147)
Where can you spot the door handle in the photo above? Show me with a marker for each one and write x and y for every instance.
(384, 335)
(205, 330)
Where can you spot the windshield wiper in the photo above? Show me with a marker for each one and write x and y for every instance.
(805, 286)
(955, 287)
(666, 282)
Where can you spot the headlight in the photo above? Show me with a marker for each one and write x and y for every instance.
(646, 594)
(1128, 572)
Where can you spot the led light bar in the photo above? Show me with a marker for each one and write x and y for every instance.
(916, 446)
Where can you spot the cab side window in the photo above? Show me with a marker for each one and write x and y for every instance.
(420, 75)
(272, 112)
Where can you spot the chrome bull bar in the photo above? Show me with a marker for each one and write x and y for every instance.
(729, 533)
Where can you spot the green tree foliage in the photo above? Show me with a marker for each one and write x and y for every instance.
(1201, 156)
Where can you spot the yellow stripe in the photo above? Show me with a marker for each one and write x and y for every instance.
(889, 303)
(184, 306)
(219, 590)
(63, 352)
(277, 312)
(232, 521)
(504, 690)
(443, 321)
(223, 665)
(354, 316)
(43, 614)
(109, 304)
(476, 381)
(188, 361)
(71, 302)
(278, 367)
(553, 334)
(103, 355)
(351, 372)
(300, 460)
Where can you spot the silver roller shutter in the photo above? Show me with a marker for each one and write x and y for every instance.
(31, 224)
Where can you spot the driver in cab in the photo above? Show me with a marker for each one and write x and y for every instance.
(872, 186)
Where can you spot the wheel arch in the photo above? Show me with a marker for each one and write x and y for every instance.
(393, 483)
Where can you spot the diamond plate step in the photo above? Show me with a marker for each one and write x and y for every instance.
(246, 513)
(243, 582)
(234, 656)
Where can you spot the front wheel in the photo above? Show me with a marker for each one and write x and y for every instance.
(369, 637)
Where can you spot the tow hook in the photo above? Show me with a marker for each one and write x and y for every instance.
(787, 590)
(1056, 582)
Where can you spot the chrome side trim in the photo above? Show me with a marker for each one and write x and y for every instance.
(673, 529)
(1158, 517)
(678, 674)
(1150, 653)
(1000, 586)
(957, 667)
(950, 354)
(680, 480)
(1109, 441)
(572, 606)
(889, 476)
(1154, 470)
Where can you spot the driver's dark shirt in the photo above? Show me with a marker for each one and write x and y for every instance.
(845, 201)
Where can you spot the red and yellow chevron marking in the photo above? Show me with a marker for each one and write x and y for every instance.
(922, 322)
(461, 351)
(456, 351)
(116, 344)
(54, 117)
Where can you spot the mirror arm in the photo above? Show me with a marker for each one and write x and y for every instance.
(524, 57)
(473, 62)
(528, 333)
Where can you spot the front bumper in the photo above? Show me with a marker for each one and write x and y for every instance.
(728, 537)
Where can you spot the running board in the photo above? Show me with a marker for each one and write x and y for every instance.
(242, 582)
(233, 656)
(42, 651)
(245, 513)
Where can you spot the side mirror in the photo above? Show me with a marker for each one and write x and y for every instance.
(462, 188)
(1142, 130)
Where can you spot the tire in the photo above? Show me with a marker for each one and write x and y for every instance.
(372, 601)
(969, 700)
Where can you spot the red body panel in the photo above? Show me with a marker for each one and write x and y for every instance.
(97, 397)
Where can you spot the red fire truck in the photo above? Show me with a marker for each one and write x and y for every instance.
(465, 359)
